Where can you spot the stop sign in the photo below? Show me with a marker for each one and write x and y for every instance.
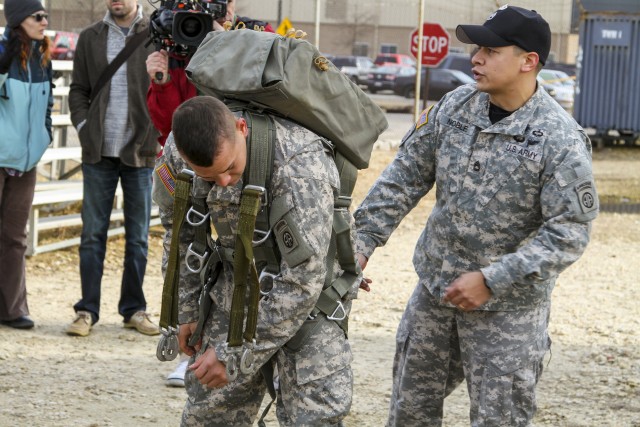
(435, 44)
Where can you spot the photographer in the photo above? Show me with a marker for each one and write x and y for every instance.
(165, 95)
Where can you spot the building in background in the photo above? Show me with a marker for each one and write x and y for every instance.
(360, 27)
(369, 27)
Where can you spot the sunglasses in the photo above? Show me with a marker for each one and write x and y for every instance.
(40, 16)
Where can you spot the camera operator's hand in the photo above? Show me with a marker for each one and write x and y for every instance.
(158, 62)
(11, 50)
(217, 26)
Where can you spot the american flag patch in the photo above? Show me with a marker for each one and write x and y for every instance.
(424, 118)
(166, 177)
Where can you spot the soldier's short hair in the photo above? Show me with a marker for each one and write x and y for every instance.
(198, 126)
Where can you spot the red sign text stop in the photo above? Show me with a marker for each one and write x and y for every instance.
(435, 44)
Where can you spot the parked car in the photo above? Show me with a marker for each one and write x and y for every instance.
(384, 77)
(457, 61)
(441, 81)
(560, 86)
(356, 67)
(64, 45)
(394, 59)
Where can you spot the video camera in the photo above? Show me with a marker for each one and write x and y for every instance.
(179, 26)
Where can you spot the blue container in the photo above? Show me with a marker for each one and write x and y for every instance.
(608, 74)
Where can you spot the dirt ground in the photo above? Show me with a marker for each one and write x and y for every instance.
(112, 377)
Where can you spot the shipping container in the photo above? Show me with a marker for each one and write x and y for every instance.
(607, 98)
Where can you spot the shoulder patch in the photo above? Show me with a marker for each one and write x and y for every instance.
(166, 177)
(424, 117)
(586, 196)
(285, 235)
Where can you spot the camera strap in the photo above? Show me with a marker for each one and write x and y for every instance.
(113, 66)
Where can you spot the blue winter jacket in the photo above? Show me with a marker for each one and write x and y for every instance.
(25, 111)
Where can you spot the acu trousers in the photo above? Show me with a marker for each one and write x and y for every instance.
(499, 354)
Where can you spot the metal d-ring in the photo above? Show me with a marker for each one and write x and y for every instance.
(168, 346)
(335, 314)
(247, 359)
(198, 218)
(202, 259)
(262, 237)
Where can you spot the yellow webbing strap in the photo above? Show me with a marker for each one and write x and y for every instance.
(257, 172)
(243, 266)
(182, 196)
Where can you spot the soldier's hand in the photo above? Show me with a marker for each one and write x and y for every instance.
(184, 333)
(158, 62)
(468, 291)
(209, 370)
(364, 284)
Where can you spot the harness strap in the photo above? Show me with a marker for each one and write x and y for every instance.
(243, 266)
(267, 374)
(252, 215)
(167, 348)
(259, 166)
(330, 301)
(169, 310)
(208, 276)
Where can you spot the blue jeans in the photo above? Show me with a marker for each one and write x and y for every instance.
(100, 181)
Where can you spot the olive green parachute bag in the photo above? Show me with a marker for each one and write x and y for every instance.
(290, 77)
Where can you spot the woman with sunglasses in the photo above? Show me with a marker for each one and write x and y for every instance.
(25, 123)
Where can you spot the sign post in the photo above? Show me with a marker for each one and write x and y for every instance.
(429, 53)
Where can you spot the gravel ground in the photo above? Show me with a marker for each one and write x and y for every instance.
(112, 377)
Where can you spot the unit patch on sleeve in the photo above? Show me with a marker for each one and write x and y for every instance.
(166, 177)
(586, 196)
(286, 235)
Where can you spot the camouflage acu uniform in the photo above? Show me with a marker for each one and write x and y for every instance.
(315, 382)
(514, 200)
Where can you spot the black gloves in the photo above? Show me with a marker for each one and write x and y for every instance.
(11, 50)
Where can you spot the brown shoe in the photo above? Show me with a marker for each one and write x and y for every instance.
(141, 323)
(81, 326)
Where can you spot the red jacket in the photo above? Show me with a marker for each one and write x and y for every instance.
(163, 99)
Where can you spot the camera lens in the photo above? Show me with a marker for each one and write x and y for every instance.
(191, 27)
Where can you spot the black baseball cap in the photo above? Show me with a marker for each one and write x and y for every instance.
(508, 26)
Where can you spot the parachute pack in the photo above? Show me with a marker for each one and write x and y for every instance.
(291, 78)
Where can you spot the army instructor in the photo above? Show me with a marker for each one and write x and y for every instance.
(514, 203)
